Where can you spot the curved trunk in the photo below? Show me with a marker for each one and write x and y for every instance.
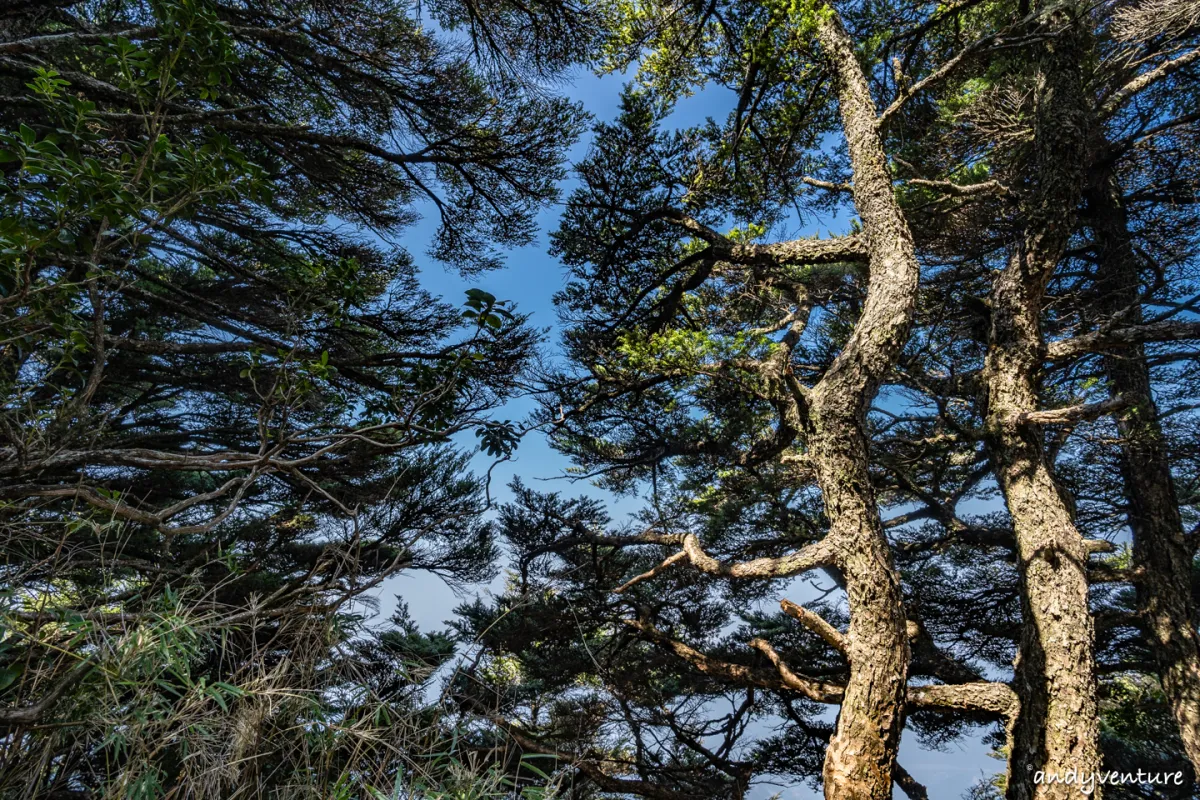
(1164, 589)
(861, 754)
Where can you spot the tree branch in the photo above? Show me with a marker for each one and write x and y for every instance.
(32, 714)
(828, 186)
(1070, 414)
(808, 557)
(819, 691)
(908, 784)
(986, 696)
(1126, 92)
(817, 624)
(647, 575)
(992, 187)
(978, 696)
(1100, 340)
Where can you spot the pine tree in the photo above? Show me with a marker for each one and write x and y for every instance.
(1009, 130)
(227, 415)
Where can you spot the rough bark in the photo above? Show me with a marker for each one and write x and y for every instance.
(1160, 551)
(832, 415)
(1122, 337)
(1055, 728)
(861, 754)
(859, 760)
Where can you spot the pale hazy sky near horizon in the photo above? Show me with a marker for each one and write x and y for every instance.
(529, 279)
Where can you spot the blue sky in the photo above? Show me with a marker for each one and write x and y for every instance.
(530, 279)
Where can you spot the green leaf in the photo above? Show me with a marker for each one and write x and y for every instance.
(9, 675)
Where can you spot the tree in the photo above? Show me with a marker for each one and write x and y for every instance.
(225, 416)
(1001, 120)
(688, 344)
(1161, 550)
(828, 416)
(1070, 152)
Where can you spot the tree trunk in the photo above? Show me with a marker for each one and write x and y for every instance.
(1056, 727)
(1159, 548)
(861, 754)
(858, 763)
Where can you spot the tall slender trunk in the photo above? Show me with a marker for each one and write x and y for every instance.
(861, 754)
(1164, 591)
(1056, 728)
(858, 763)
